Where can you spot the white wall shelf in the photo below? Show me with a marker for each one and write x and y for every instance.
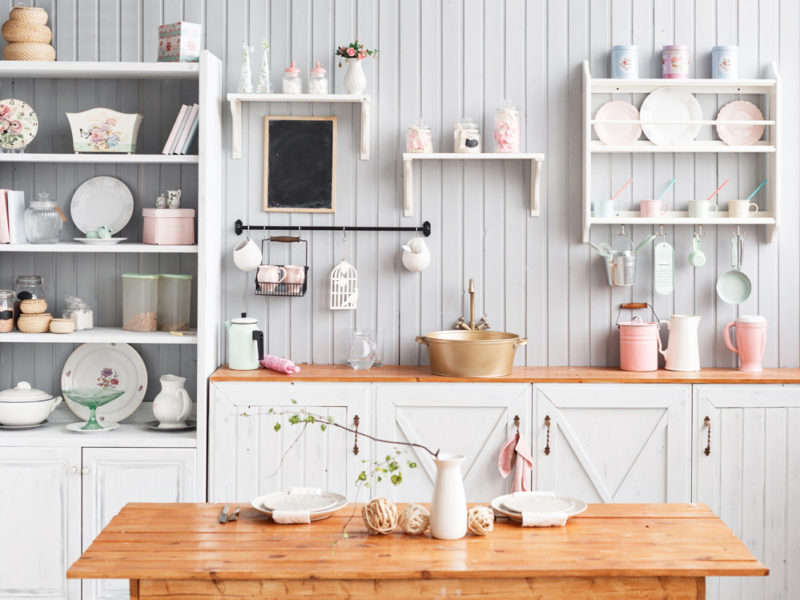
(770, 147)
(99, 335)
(236, 100)
(128, 435)
(98, 70)
(101, 158)
(536, 160)
(121, 248)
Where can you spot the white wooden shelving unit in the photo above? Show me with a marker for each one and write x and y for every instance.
(408, 172)
(236, 100)
(769, 147)
(121, 248)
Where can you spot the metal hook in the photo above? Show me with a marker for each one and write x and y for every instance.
(661, 231)
(700, 230)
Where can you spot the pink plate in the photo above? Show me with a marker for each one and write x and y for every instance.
(740, 135)
(618, 135)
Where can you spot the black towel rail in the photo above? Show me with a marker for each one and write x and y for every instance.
(239, 227)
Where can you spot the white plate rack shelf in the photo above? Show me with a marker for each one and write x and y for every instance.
(769, 147)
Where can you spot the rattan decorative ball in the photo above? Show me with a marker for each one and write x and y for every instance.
(27, 34)
(380, 516)
(414, 519)
(480, 520)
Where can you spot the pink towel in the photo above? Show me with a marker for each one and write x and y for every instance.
(281, 365)
(517, 454)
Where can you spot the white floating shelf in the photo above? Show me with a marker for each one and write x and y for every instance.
(236, 100)
(682, 218)
(101, 158)
(713, 146)
(695, 86)
(121, 248)
(98, 70)
(408, 172)
(99, 335)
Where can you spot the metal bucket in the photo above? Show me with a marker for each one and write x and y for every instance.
(471, 353)
(621, 268)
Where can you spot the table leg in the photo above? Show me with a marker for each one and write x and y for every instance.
(134, 587)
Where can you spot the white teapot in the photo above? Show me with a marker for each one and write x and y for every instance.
(416, 256)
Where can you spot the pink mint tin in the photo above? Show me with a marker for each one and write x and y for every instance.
(675, 62)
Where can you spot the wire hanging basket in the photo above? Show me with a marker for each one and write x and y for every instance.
(344, 284)
(282, 280)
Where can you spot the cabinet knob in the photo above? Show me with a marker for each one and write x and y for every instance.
(547, 444)
(707, 423)
(85, 471)
(73, 469)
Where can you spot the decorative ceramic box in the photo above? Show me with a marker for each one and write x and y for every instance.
(104, 130)
(179, 42)
(168, 226)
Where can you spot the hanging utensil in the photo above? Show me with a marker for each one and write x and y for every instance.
(344, 283)
(696, 257)
(663, 268)
(644, 243)
(734, 287)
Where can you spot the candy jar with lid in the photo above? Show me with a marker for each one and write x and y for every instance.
(506, 129)
(318, 80)
(42, 221)
(466, 137)
(291, 80)
(418, 138)
(7, 298)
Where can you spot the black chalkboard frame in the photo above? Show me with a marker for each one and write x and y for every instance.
(299, 207)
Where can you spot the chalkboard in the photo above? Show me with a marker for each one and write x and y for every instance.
(299, 164)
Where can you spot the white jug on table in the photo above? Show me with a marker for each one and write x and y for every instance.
(683, 351)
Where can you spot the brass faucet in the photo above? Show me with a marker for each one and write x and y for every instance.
(472, 326)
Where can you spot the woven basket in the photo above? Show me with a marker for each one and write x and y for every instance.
(34, 323)
(29, 51)
(21, 31)
(29, 14)
(33, 306)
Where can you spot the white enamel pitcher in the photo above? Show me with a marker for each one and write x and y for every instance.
(683, 352)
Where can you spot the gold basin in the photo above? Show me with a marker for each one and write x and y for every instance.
(457, 353)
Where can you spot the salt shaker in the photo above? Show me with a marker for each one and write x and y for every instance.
(418, 138)
(291, 80)
(506, 129)
(318, 80)
(466, 137)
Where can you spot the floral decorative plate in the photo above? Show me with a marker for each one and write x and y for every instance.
(106, 366)
(18, 124)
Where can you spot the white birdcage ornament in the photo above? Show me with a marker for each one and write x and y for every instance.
(344, 284)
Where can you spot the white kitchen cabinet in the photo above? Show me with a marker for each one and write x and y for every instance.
(248, 457)
(40, 499)
(751, 479)
(112, 477)
(614, 442)
(464, 418)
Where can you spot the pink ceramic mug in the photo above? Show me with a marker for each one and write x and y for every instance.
(751, 335)
(269, 276)
(653, 208)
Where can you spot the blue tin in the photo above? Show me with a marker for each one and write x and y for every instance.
(725, 62)
(624, 62)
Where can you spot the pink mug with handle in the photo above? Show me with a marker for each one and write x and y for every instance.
(751, 335)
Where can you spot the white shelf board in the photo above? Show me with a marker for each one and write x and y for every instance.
(298, 98)
(682, 218)
(100, 158)
(98, 70)
(713, 146)
(476, 156)
(127, 435)
(121, 248)
(698, 86)
(99, 335)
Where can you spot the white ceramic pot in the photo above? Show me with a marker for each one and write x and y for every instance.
(247, 255)
(416, 256)
(449, 502)
(355, 82)
(24, 405)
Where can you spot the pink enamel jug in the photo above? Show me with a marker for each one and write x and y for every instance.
(638, 340)
(751, 336)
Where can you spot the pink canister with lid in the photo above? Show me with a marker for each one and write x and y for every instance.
(675, 62)
(638, 340)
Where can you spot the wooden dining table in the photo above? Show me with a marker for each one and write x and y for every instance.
(631, 551)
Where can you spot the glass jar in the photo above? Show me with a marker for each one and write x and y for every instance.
(25, 288)
(139, 302)
(174, 302)
(506, 129)
(42, 221)
(466, 137)
(7, 298)
(291, 80)
(318, 80)
(80, 311)
(418, 138)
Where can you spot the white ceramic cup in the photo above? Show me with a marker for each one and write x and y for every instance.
(269, 276)
(247, 255)
(740, 209)
(606, 208)
(701, 209)
(295, 273)
(653, 208)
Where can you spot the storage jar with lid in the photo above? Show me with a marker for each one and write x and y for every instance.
(725, 62)
(7, 298)
(291, 80)
(42, 221)
(139, 301)
(466, 137)
(168, 226)
(506, 129)
(27, 287)
(79, 311)
(624, 61)
(675, 62)
(418, 138)
(318, 80)
(174, 302)
(638, 341)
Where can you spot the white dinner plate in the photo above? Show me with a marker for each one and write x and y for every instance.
(670, 104)
(106, 365)
(101, 201)
(315, 515)
(613, 134)
(536, 503)
(100, 241)
(312, 502)
(739, 135)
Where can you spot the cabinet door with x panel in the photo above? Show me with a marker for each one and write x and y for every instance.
(613, 443)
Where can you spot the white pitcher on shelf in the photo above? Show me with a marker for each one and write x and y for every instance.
(173, 405)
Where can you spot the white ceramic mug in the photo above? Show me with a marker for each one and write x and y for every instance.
(295, 274)
(269, 276)
(701, 209)
(606, 208)
(740, 209)
(247, 255)
(653, 208)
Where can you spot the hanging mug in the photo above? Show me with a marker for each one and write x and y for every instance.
(247, 255)
(269, 276)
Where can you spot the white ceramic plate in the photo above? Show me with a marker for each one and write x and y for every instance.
(18, 124)
(670, 104)
(740, 135)
(78, 427)
(110, 365)
(618, 135)
(101, 201)
(537, 503)
(154, 425)
(100, 241)
(258, 504)
(300, 501)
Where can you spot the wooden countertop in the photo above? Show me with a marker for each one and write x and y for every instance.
(186, 542)
(387, 374)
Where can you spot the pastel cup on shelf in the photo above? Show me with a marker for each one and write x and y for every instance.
(701, 209)
(741, 209)
(605, 208)
(653, 208)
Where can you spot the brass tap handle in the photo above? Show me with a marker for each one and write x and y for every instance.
(356, 421)
(547, 444)
(707, 423)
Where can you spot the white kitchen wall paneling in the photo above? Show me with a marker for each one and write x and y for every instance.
(439, 60)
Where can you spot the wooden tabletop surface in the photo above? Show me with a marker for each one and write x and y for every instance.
(391, 373)
(185, 541)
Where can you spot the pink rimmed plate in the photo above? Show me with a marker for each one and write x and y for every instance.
(618, 134)
(739, 135)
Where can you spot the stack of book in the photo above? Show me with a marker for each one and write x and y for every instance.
(12, 217)
(183, 130)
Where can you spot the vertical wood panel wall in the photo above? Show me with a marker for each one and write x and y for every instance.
(441, 60)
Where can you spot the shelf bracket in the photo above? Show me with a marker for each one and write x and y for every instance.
(236, 128)
(365, 114)
(408, 187)
(536, 174)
